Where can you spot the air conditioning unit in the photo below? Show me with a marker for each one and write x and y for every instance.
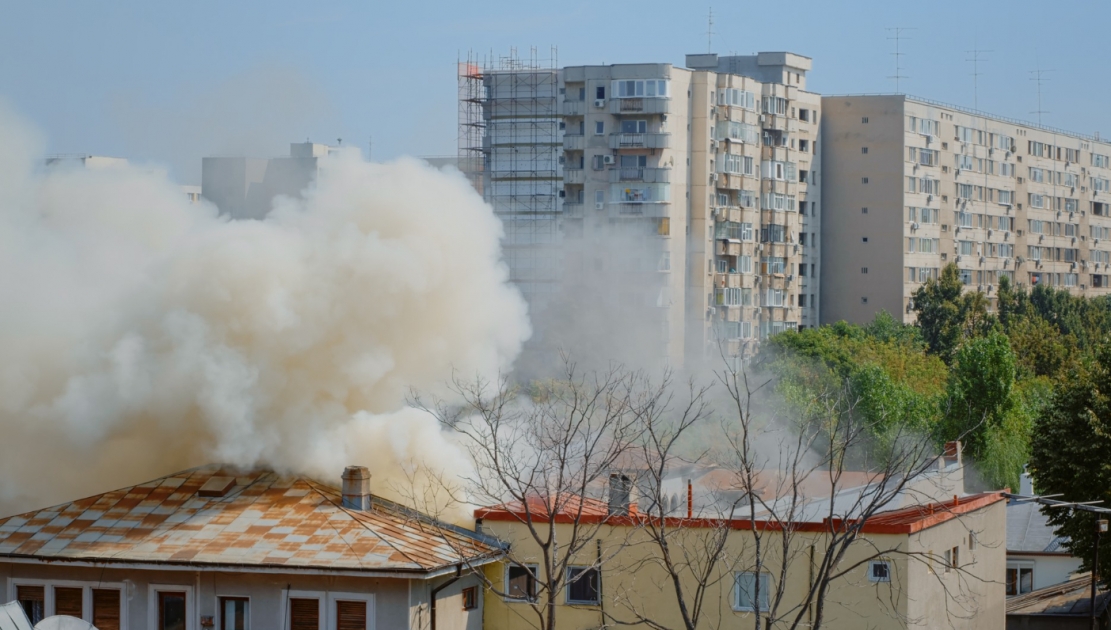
(914, 226)
(600, 102)
(598, 205)
(989, 233)
(1020, 260)
(713, 177)
(944, 227)
(607, 159)
(957, 259)
(929, 139)
(1007, 235)
(719, 214)
(929, 198)
(982, 260)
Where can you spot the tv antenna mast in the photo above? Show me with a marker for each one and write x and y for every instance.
(710, 32)
(1036, 76)
(896, 33)
(976, 59)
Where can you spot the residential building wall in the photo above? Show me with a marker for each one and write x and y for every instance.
(245, 188)
(396, 603)
(984, 209)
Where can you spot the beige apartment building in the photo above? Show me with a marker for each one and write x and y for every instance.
(912, 185)
(685, 219)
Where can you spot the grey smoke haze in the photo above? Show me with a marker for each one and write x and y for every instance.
(256, 112)
(142, 335)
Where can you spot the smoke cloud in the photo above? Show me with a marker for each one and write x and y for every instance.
(141, 334)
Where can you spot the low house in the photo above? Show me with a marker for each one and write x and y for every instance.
(225, 549)
(1036, 556)
(1063, 606)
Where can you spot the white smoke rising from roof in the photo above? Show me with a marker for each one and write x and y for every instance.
(141, 334)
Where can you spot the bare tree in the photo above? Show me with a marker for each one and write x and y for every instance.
(543, 459)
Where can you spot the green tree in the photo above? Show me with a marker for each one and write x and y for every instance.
(947, 315)
(1071, 451)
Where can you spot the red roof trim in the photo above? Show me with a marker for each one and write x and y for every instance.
(903, 521)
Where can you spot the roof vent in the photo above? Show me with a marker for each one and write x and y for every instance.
(216, 487)
(356, 488)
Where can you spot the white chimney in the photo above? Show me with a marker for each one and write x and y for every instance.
(356, 488)
(620, 494)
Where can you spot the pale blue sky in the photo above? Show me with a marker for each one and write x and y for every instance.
(170, 82)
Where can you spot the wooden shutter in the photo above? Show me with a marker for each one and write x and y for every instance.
(30, 593)
(304, 614)
(67, 601)
(350, 615)
(106, 609)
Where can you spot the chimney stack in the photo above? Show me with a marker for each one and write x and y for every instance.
(356, 488)
(621, 487)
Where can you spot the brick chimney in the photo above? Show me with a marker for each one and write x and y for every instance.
(356, 488)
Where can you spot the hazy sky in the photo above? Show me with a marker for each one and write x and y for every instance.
(170, 82)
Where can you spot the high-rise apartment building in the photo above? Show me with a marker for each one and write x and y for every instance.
(683, 212)
(245, 187)
(911, 185)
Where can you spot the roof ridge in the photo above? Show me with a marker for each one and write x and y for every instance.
(339, 506)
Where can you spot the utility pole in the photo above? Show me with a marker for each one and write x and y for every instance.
(898, 37)
(1101, 527)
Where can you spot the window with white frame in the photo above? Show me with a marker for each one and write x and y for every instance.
(1005, 197)
(879, 571)
(774, 264)
(1020, 578)
(744, 264)
(1101, 161)
(640, 88)
(1036, 200)
(1101, 184)
(775, 297)
(235, 613)
(750, 590)
(1007, 169)
(737, 98)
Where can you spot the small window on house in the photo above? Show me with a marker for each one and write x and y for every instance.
(802, 299)
(863, 180)
(600, 92)
(599, 128)
(863, 300)
(1020, 579)
(304, 614)
(971, 541)
(879, 571)
(864, 239)
(864, 211)
(106, 608)
(748, 591)
(171, 611)
(955, 558)
(863, 270)
(864, 120)
(235, 613)
(350, 615)
(582, 585)
(864, 150)
(520, 583)
(69, 601)
(470, 598)
(32, 599)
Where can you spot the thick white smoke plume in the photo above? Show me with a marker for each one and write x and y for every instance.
(140, 334)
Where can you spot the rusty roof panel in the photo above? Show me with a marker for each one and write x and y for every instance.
(262, 519)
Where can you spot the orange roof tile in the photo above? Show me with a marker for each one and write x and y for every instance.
(264, 520)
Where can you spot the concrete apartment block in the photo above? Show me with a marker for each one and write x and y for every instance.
(912, 185)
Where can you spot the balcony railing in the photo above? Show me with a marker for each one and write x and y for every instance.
(648, 175)
(574, 108)
(573, 142)
(639, 140)
(573, 176)
(640, 105)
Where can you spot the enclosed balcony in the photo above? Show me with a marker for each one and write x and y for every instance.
(639, 140)
(640, 174)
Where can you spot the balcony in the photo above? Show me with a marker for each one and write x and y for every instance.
(648, 175)
(620, 106)
(573, 208)
(727, 280)
(573, 142)
(727, 248)
(573, 176)
(638, 140)
(574, 108)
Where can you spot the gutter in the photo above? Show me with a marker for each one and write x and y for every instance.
(436, 591)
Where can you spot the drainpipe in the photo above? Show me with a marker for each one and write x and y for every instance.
(435, 591)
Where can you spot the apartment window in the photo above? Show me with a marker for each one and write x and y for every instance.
(751, 590)
(599, 128)
(863, 180)
(582, 94)
(304, 614)
(582, 585)
(235, 613)
(864, 239)
(864, 150)
(802, 270)
(804, 115)
(171, 610)
(1020, 579)
(879, 571)
(864, 211)
(634, 126)
(966, 248)
(470, 598)
(600, 92)
(520, 582)
(32, 599)
(864, 120)
(350, 615)
(638, 88)
(863, 300)
(863, 270)
(804, 146)
(802, 299)
(69, 601)
(106, 608)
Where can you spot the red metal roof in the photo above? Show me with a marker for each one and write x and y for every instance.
(264, 520)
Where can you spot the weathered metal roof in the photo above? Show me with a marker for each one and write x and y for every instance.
(264, 520)
(1028, 530)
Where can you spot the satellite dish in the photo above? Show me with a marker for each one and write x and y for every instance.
(64, 622)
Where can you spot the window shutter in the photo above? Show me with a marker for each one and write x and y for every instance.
(106, 609)
(67, 601)
(304, 614)
(30, 594)
(350, 615)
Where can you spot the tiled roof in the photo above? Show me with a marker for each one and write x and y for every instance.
(1029, 531)
(264, 520)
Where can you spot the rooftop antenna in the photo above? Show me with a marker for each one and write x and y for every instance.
(1036, 76)
(976, 53)
(897, 35)
(710, 32)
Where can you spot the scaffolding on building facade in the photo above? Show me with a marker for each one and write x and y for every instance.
(510, 148)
